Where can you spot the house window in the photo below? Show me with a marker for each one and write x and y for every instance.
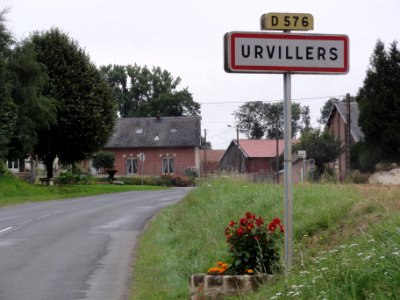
(131, 166)
(168, 165)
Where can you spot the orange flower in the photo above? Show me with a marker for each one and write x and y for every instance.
(219, 269)
(250, 271)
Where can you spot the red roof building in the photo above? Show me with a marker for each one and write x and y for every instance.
(251, 156)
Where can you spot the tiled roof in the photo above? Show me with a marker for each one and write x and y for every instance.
(153, 132)
(212, 155)
(260, 148)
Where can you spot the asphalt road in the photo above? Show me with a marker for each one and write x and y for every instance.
(79, 248)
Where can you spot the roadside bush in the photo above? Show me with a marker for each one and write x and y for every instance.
(191, 172)
(73, 176)
(328, 176)
(385, 166)
(180, 181)
(165, 180)
(357, 177)
(3, 169)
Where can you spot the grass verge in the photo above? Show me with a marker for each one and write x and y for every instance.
(14, 191)
(188, 238)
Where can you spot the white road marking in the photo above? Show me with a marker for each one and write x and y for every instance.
(4, 230)
(24, 223)
(43, 217)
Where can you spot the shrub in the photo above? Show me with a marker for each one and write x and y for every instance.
(73, 175)
(191, 172)
(357, 177)
(253, 245)
(3, 169)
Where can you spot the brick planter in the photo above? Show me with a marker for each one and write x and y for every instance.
(213, 287)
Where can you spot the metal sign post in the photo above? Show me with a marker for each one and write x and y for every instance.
(142, 157)
(302, 154)
(287, 115)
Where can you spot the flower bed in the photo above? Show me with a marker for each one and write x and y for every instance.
(254, 256)
(253, 245)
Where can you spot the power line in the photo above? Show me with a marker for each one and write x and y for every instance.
(270, 101)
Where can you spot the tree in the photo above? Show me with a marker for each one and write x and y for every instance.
(86, 108)
(251, 119)
(143, 92)
(306, 118)
(104, 160)
(379, 103)
(322, 146)
(326, 110)
(257, 119)
(34, 111)
(7, 107)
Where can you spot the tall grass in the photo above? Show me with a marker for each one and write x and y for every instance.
(16, 191)
(188, 237)
(367, 268)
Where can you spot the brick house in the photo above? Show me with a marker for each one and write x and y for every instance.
(169, 144)
(251, 156)
(342, 114)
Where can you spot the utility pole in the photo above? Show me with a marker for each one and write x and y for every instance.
(237, 134)
(348, 135)
(237, 143)
(205, 153)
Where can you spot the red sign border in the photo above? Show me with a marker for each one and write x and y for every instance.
(231, 67)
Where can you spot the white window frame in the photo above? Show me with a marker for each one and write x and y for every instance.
(131, 162)
(168, 168)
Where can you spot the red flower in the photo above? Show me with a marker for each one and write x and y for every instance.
(243, 221)
(248, 215)
(228, 237)
(249, 227)
(259, 221)
(272, 226)
(277, 221)
(227, 230)
(232, 223)
(239, 231)
(256, 237)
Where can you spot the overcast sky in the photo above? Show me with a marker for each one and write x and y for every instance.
(185, 37)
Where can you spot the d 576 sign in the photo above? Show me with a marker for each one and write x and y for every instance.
(255, 52)
(287, 21)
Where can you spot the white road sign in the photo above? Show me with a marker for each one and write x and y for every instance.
(141, 156)
(260, 52)
(301, 154)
